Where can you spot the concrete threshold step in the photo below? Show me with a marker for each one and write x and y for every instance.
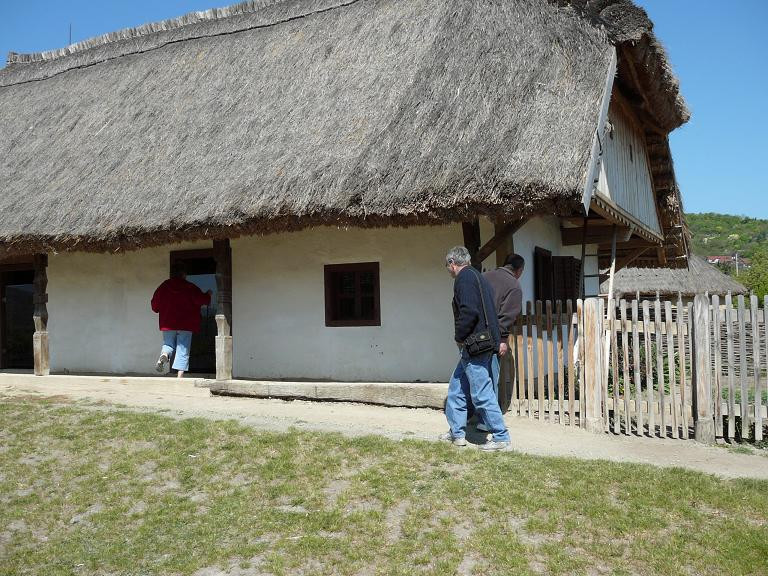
(408, 395)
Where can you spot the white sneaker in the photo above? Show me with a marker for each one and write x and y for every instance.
(163, 364)
(493, 446)
(448, 437)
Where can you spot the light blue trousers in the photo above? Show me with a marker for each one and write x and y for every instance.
(471, 385)
(178, 341)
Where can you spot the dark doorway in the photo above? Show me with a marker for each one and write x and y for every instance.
(16, 323)
(201, 271)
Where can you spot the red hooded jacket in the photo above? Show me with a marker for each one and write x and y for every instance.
(178, 302)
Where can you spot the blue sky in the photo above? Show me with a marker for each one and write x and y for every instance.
(719, 53)
(721, 155)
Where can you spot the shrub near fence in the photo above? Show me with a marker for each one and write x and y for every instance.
(650, 362)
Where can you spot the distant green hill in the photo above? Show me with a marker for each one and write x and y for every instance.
(716, 234)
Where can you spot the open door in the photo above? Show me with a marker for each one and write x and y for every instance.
(16, 323)
(201, 271)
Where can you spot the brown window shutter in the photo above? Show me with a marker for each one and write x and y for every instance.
(566, 272)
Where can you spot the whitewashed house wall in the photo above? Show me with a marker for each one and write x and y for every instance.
(101, 322)
(544, 232)
(99, 314)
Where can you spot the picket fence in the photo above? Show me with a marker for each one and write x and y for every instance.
(649, 365)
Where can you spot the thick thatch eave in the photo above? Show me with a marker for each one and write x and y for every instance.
(273, 116)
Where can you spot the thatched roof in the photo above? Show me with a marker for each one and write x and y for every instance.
(272, 115)
(700, 277)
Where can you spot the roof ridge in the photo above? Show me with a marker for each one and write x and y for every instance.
(143, 30)
(153, 35)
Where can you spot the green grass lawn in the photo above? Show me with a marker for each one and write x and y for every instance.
(100, 492)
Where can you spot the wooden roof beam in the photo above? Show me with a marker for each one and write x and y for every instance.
(489, 247)
(575, 236)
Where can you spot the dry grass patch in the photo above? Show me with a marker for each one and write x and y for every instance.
(119, 493)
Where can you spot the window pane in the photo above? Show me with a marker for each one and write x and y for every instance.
(367, 282)
(346, 309)
(346, 283)
(351, 294)
(368, 307)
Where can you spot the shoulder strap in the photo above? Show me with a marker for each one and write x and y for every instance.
(482, 300)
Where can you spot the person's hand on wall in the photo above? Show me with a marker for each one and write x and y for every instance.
(503, 348)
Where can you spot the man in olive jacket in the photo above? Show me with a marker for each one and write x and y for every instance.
(508, 299)
(471, 383)
(508, 295)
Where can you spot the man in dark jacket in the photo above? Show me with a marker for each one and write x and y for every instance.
(178, 303)
(471, 384)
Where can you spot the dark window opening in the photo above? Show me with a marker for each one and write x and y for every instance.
(200, 266)
(556, 277)
(542, 274)
(16, 323)
(352, 294)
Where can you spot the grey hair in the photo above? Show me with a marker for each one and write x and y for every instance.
(458, 255)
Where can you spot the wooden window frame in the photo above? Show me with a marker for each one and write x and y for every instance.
(330, 297)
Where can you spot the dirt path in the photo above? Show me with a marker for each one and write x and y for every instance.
(185, 400)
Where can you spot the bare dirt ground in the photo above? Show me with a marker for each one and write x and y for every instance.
(182, 399)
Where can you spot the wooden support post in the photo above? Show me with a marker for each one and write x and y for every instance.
(506, 246)
(582, 286)
(612, 272)
(704, 424)
(223, 256)
(40, 317)
(471, 231)
(610, 337)
(593, 364)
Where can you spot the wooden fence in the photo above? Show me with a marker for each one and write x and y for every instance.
(644, 368)
(544, 363)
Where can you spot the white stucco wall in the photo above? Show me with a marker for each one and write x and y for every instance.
(99, 314)
(279, 306)
(544, 232)
(100, 319)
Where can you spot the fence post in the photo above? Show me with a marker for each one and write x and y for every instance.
(704, 423)
(40, 317)
(593, 364)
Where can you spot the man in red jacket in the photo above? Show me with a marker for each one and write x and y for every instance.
(178, 302)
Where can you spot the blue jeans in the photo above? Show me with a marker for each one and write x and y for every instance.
(179, 341)
(495, 371)
(471, 385)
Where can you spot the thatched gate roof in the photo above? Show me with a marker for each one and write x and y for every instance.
(271, 116)
(700, 277)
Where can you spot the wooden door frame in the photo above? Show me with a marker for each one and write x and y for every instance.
(197, 254)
